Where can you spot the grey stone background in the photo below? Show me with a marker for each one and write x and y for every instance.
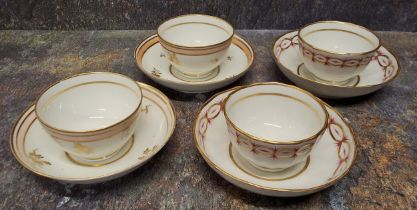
(385, 15)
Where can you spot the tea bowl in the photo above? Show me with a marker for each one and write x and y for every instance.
(91, 116)
(274, 126)
(195, 44)
(335, 51)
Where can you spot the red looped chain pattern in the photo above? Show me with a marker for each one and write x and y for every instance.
(272, 152)
(326, 60)
(343, 147)
(385, 62)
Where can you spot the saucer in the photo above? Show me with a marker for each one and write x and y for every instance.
(331, 158)
(153, 63)
(305, 73)
(39, 153)
(382, 69)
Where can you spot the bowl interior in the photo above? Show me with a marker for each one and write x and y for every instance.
(339, 37)
(89, 102)
(195, 30)
(275, 112)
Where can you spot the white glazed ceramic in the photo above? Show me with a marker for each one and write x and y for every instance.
(195, 44)
(92, 115)
(336, 51)
(151, 60)
(382, 69)
(330, 160)
(38, 152)
(273, 125)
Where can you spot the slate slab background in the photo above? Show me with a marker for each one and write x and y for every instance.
(383, 177)
(385, 15)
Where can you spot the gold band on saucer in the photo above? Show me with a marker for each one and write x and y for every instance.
(232, 157)
(190, 78)
(128, 144)
(327, 82)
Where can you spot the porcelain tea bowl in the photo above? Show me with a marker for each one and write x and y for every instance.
(335, 51)
(91, 116)
(195, 44)
(274, 126)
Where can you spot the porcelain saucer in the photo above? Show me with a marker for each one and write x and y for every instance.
(153, 63)
(39, 153)
(331, 158)
(382, 69)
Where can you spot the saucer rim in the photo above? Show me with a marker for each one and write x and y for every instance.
(223, 173)
(194, 83)
(96, 179)
(279, 64)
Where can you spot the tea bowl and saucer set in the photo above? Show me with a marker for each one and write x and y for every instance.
(274, 139)
(269, 138)
(194, 53)
(92, 127)
(334, 59)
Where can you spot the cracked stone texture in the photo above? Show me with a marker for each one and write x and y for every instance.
(387, 15)
(384, 176)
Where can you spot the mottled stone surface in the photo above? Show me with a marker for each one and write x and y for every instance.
(384, 176)
(387, 15)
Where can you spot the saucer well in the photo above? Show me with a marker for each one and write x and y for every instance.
(382, 69)
(330, 160)
(153, 62)
(40, 154)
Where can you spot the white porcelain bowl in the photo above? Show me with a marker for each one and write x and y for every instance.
(273, 125)
(91, 115)
(336, 51)
(195, 44)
